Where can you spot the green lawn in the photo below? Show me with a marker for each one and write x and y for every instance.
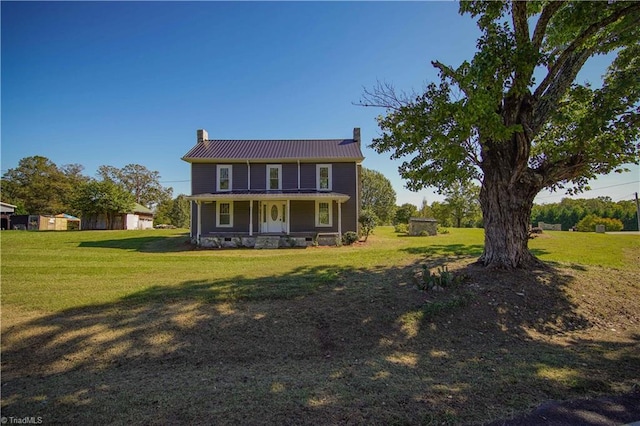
(138, 327)
(53, 271)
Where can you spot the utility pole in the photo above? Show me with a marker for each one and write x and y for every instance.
(638, 211)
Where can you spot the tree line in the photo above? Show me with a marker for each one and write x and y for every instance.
(39, 186)
(570, 212)
(461, 207)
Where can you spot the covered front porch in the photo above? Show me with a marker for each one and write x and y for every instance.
(247, 218)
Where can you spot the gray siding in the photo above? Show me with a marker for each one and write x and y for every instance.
(239, 177)
(290, 176)
(344, 182)
(258, 177)
(240, 216)
(308, 176)
(302, 216)
(208, 217)
(203, 178)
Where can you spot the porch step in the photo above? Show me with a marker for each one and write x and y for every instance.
(267, 242)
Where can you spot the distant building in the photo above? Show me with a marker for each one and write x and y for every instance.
(6, 211)
(34, 222)
(139, 217)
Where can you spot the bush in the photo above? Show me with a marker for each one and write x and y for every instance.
(442, 230)
(368, 220)
(589, 222)
(349, 238)
(401, 228)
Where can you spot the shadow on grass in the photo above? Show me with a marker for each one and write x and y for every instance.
(450, 251)
(146, 244)
(315, 345)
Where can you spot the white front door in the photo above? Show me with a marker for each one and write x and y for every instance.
(274, 217)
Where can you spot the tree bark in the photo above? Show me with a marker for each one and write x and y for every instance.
(506, 204)
(507, 214)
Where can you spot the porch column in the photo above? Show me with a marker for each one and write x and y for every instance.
(340, 218)
(288, 213)
(198, 232)
(250, 217)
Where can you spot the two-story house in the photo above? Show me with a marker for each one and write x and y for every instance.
(273, 192)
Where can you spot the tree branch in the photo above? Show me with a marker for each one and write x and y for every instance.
(564, 78)
(520, 24)
(541, 27)
(559, 65)
(383, 95)
(450, 73)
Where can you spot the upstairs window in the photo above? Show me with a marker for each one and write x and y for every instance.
(224, 173)
(274, 177)
(323, 177)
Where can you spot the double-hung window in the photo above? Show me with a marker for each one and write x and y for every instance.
(323, 177)
(224, 177)
(324, 213)
(274, 177)
(224, 214)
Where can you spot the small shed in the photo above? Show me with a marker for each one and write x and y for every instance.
(34, 222)
(6, 211)
(422, 226)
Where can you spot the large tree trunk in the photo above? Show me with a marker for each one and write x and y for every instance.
(506, 203)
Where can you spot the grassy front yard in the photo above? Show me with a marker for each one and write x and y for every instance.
(113, 327)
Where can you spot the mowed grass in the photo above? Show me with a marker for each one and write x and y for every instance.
(112, 327)
(52, 271)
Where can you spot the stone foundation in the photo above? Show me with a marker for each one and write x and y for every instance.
(286, 241)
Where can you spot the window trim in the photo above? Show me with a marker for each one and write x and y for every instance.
(220, 167)
(324, 225)
(330, 177)
(268, 183)
(223, 225)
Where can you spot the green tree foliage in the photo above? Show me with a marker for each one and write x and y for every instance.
(590, 221)
(102, 197)
(368, 221)
(404, 213)
(378, 195)
(569, 212)
(139, 181)
(515, 116)
(463, 201)
(38, 186)
(442, 213)
(174, 212)
(425, 210)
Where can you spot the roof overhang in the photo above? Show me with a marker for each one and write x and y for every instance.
(271, 160)
(266, 196)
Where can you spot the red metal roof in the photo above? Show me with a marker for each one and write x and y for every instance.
(258, 150)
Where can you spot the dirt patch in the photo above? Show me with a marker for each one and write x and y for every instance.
(604, 411)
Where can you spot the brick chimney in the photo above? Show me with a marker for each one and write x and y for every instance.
(356, 135)
(202, 135)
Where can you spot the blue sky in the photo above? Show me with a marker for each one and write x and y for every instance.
(114, 83)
